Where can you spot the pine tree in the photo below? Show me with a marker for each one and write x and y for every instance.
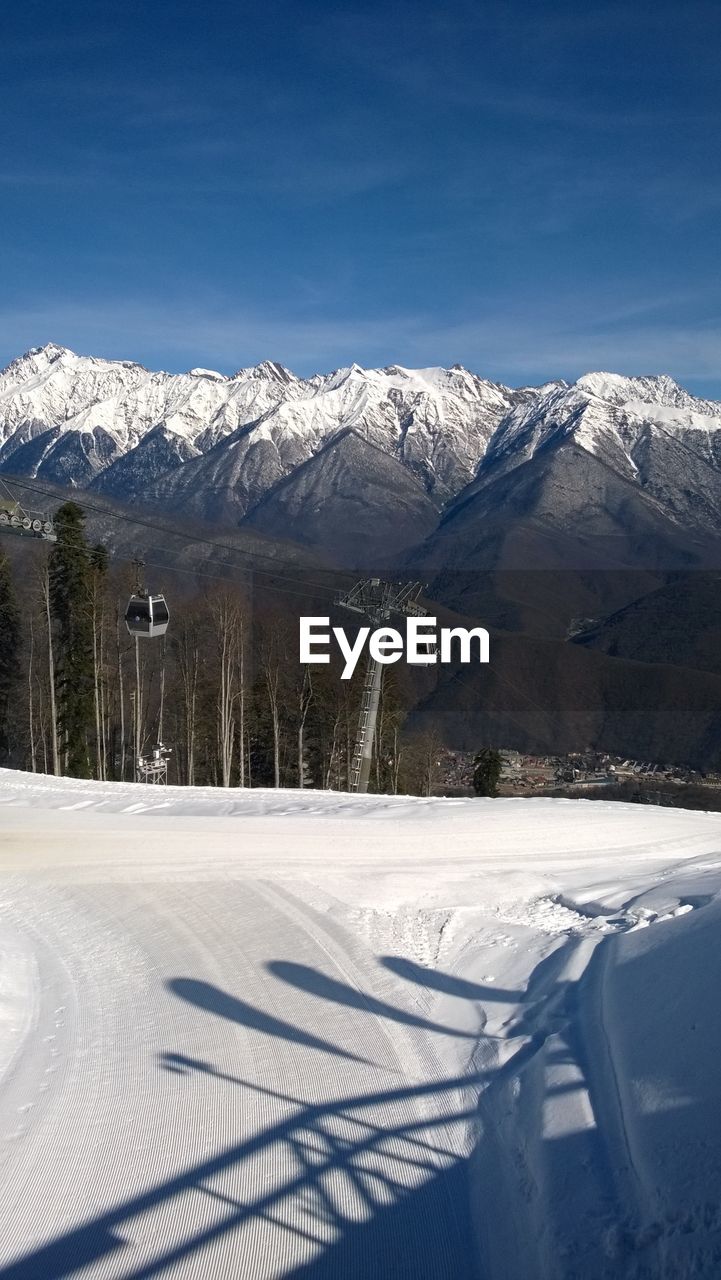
(73, 573)
(9, 643)
(98, 575)
(487, 767)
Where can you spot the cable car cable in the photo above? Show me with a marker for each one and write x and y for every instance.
(196, 539)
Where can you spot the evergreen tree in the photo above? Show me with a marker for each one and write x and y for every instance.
(73, 573)
(487, 767)
(99, 561)
(9, 644)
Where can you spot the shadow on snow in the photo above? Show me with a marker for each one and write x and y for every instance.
(374, 1183)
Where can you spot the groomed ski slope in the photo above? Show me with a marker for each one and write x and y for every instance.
(282, 1034)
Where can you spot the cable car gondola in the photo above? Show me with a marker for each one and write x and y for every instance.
(147, 615)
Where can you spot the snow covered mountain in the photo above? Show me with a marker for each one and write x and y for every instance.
(68, 418)
(439, 458)
(609, 473)
(72, 419)
(649, 431)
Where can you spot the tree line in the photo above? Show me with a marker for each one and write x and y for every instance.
(224, 688)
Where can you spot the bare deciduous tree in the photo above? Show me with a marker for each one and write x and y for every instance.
(45, 589)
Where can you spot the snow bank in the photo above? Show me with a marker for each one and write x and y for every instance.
(599, 1146)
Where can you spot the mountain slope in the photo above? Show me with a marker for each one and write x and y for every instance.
(679, 623)
(609, 471)
(437, 422)
(651, 432)
(553, 697)
(51, 389)
(610, 477)
(351, 497)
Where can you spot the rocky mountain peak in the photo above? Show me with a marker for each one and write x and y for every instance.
(180, 440)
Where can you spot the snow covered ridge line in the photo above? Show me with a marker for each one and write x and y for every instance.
(386, 644)
(426, 453)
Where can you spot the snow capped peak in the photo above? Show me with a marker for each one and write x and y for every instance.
(348, 373)
(633, 425)
(654, 389)
(31, 362)
(51, 351)
(433, 375)
(268, 370)
(607, 386)
(63, 413)
(545, 389)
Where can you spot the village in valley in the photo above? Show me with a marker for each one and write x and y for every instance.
(576, 772)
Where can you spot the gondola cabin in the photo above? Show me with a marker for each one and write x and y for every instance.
(147, 616)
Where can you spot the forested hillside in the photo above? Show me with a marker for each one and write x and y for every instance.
(224, 688)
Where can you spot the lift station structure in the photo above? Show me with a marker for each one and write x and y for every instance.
(14, 518)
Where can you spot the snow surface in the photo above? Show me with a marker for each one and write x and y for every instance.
(263, 1034)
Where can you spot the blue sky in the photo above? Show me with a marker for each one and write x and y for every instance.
(529, 189)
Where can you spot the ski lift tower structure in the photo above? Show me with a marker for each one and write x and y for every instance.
(153, 767)
(377, 601)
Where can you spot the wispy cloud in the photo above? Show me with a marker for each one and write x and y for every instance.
(228, 337)
(517, 349)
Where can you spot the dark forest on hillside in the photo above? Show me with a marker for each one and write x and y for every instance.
(224, 688)
(618, 661)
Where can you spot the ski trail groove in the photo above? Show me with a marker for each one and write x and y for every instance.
(189, 1139)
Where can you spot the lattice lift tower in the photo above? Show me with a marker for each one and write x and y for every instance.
(377, 601)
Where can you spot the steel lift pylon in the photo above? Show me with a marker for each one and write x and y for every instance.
(377, 601)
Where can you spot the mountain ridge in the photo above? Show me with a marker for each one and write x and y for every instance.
(219, 445)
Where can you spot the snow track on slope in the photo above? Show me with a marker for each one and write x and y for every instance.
(296, 1035)
(199, 1113)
